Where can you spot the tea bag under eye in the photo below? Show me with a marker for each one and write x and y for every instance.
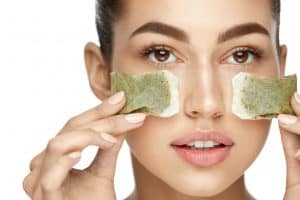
(256, 97)
(154, 93)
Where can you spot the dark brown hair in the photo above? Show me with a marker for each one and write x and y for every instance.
(109, 11)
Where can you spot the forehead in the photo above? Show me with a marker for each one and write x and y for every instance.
(196, 17)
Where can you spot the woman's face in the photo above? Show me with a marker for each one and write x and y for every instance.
(204, 61)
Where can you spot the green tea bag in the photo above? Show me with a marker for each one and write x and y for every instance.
(153, 93)
(257, 97)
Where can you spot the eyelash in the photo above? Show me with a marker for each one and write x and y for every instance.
(256, 52)
(148, 49)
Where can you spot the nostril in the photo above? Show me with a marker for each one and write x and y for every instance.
(194, 113)
(218, 114)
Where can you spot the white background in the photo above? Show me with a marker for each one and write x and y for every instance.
(43, 83)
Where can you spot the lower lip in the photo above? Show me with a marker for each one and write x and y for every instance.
(203, 158)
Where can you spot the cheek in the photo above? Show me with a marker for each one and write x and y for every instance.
(151, 134)
(151, 144)
(250, 137)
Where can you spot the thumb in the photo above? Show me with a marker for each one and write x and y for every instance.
(104, 163)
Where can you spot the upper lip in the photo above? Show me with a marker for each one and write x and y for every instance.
(212, 135)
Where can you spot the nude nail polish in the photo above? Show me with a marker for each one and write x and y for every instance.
(135, 118)
(297, 97)
(116, 98)
(287, 119)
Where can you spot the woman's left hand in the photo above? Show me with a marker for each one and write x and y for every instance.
(289, 126)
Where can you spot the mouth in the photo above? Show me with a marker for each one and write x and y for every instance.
(201, 145)
(203, 148)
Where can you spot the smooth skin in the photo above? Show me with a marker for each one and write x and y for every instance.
(199, 69)
(51, 175)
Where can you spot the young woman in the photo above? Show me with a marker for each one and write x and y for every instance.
(203, 43)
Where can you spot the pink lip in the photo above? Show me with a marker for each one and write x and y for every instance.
(203, 158)
(206, 157)
(213, 135)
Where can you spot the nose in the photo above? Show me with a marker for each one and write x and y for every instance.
(203, 96)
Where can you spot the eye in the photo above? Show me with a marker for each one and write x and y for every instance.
(159, 55)
(244, 56)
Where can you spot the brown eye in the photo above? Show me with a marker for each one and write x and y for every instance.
(241, 57)
(161, 55)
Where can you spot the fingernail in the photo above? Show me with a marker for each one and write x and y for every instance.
(297, 97)
(109, 138)
(287, 119)
(75, 154)
(135, 118)
(116, 98)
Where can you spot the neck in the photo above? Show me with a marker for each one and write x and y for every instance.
(149, 187)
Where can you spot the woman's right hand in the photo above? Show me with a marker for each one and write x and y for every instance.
(52, 176)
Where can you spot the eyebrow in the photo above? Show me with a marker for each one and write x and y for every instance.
(180, 35)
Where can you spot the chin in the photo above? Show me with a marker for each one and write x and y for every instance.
(206, 187)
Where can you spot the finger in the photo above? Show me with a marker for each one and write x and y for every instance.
(291, 144)
(290, 123)
(104, 163)
(53, 178)
(75, 140)
(118, 124)
(289, 126)
(36, 161)
(108, 107)
(291, 141)
(28, 184)
(30, 180)
(295, 102)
